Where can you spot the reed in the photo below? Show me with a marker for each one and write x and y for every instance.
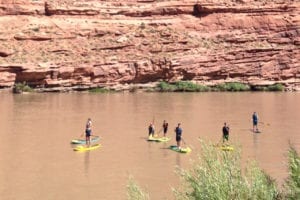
(292, 186)
(134, 192)
(218, 175)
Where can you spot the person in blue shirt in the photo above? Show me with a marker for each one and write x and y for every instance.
(255, 122)
(178, 131)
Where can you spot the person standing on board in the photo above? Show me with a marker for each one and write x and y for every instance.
(151, 130)
(178, 131)
(255, 122)
(165, 127)
(225, 131)
(88, 131)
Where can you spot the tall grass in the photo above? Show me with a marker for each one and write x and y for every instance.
(219, 175)
(134, 192)
(293, 182)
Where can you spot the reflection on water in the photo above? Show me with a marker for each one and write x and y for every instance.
(37, 162)
(86, 162)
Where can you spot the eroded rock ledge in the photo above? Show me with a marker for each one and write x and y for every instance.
(87, 44)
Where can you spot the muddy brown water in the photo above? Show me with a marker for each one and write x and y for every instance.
(37, 160)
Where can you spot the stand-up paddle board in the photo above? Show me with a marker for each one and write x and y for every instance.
(82, 141)
(180, 150)
(87, 148)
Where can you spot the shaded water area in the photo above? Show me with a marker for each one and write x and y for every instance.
(37, 160)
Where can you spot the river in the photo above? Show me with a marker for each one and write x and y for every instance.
(37, 160)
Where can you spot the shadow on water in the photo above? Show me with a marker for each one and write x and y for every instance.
(86, 163)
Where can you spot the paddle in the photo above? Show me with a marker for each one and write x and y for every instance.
(184, 142)
(263, 123)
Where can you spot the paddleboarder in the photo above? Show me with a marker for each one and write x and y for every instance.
(151, 130)
(255, 122)
(165, 127)
(225, 131)
(178, 131)
(88, 131)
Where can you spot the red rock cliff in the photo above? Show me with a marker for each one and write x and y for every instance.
(71, 43)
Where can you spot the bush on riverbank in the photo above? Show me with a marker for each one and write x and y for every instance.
(219, 175)
(233, 87)
(278, 87)
(181, 86)
(99, 90)
(186, 86)
(22, 87)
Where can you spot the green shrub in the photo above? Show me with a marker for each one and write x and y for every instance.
(234, 87)
(293, 182)
(218, 175)
(181, 86)
(99, 90)
(275, 87)
(134, 192)
(186, 86)
(22, 87)
(166, 87)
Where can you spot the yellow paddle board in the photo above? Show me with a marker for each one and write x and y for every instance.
(87, 148)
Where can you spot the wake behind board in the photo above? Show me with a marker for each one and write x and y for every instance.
(181, 150)
(87, 148)
(255, 131)
(157, 139)
(82, 141)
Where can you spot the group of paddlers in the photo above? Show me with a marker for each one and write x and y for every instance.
(178, 130)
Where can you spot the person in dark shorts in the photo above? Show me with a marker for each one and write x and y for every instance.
(88, 131)
(178, 131)
(165, 127)
(255, 122)
(151, 130)
(225, 131)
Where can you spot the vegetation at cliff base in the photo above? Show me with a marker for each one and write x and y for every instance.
(99, 90)
(233, 87)
(278, 87)
(22, 87)
(181, 86)
(188, 86)
(219, 174)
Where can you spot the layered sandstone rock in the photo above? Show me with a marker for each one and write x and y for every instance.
(85, 44)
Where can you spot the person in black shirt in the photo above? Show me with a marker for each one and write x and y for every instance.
(165, 127)
(178, 131)
(225, 130)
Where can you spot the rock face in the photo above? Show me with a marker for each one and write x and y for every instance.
(86, 43)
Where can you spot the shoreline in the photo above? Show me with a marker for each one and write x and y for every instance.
(160, 87)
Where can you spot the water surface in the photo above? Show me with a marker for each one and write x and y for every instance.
(37, 160)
